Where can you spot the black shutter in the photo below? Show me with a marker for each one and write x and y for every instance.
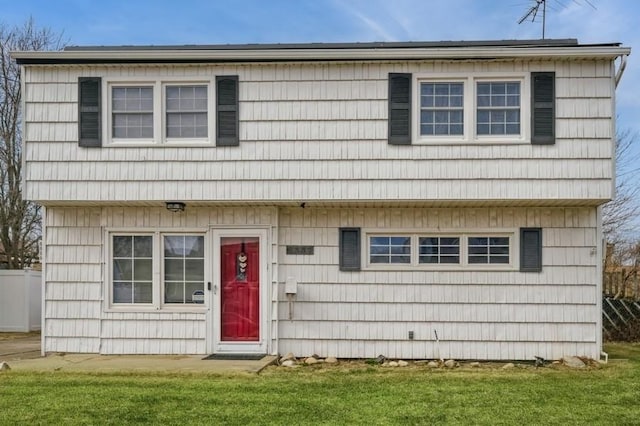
(543, 115)
(530, 249)
(399, 109)
(349, 249)
(227, 111)
(89, 114)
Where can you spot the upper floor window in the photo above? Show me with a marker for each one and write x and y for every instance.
(132, 112)
(441, 108)
(186, 111)
(159, 112)
(473, 108)
(498, 108)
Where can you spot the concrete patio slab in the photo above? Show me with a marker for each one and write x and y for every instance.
(139, 363)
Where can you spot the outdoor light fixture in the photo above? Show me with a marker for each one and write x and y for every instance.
(175, 206)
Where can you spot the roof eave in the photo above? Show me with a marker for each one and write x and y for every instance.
(278, 55)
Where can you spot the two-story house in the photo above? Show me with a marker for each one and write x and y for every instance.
(346, 200)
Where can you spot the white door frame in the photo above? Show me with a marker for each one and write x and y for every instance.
(214, 326)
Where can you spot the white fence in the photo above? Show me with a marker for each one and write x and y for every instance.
(20, 300)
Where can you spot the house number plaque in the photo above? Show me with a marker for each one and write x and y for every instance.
(300, 250)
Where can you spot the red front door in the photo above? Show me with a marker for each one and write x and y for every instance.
(240, 282)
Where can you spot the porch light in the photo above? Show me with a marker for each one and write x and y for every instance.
(175, 206)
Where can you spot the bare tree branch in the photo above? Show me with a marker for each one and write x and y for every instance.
(20, 223)
(620, 215)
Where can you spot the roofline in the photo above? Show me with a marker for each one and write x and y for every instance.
(324, 52)
(357, 45)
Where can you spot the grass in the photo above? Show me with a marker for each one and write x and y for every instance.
(353, 395)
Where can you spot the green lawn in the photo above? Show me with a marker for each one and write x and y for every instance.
(333, 395)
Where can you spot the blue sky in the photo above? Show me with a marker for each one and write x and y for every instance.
(117, 22)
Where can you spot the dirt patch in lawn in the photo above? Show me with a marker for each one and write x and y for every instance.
(13, 336)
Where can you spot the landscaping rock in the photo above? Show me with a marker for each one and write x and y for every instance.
(474, 364)
(4, 366)
(508, 366)
(310, 361)
(432, 364)
(402, 363)
(393, 364)
(331, 360)
(289, 363)
(573, 362)
(287, 357)
(450, 363)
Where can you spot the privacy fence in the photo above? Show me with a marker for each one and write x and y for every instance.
(20, 300)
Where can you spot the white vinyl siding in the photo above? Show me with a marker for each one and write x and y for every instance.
(78, 318)
(318, 132)
(477, 313)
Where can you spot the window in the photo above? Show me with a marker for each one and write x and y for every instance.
(472, 108)
(132, 269)
(390, 249)
(154, 267)
(439, 250)
(488, 250)
(441, 109)
(183, 268)
(498, 108)
(156, 112)
(186, 111)
(132, 111)
(462, 250)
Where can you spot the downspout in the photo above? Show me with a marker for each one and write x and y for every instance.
(623, 65)
(43, 284)
(600, 237)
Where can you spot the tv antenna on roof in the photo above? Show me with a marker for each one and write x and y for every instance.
(532, 12)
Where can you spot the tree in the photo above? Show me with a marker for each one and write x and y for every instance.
(20, 223)
(619, 214)
(620, 218)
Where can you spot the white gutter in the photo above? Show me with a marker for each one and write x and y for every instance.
(486, 52)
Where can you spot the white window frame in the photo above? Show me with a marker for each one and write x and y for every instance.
(463, 234)
(157, 301)
(159, 111)
(470, 80)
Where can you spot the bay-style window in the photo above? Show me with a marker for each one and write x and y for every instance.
(437, 251)
(157, 269)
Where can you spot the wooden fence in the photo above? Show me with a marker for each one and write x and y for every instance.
(624, 284)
